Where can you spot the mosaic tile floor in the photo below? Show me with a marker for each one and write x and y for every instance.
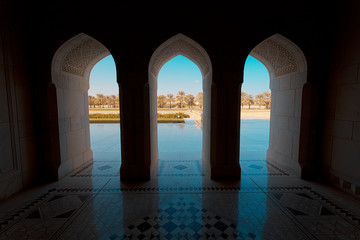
(93, 203)
(180, 202)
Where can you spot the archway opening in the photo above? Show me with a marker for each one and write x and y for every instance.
(104, 117)
(179, 107)
(180, 45)
(255, 116)
(71, 68)
(287, 69)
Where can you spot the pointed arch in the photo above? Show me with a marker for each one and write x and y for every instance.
(287, 68)
(70, 70)
(181, 45)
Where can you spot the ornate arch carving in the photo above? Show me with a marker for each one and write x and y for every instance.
(180, 45)
(79, 54)
(78, 58)
(279, 55)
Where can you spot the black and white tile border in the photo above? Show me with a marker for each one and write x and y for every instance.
(22, 212)
(19, 214)
(340, 210)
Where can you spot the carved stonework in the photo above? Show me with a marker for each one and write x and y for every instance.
(179, 45)
(77, 60)
(279, 57)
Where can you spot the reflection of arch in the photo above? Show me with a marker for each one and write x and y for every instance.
(288, 73)
(71, 67)
(180, 45)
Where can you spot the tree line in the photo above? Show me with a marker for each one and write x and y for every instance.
(102, 101)
(181, 100)
(261, 99)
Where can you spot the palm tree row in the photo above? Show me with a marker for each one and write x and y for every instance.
(262, 99)
(102, 101)
(181, 100)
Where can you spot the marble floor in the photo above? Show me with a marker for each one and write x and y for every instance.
(180, 202)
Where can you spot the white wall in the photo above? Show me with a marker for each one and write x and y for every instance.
(73, 118)
(285, 120)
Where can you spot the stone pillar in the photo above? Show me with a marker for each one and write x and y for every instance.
(225, 126)
(135, 126)
(308, 140)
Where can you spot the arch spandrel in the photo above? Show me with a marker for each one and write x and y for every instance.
(180, 45)
(280, 56)
(79, 55)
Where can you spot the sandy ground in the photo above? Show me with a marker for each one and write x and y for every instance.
(255, 114)
(197, 114)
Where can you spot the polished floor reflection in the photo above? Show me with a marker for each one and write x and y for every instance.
(180, 202)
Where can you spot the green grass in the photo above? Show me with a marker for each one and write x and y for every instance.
(104, 120)
(101, 115)
(173, 115)
(171, 120)
(117, 120)
(104, 109)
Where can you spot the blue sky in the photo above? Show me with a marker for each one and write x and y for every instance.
(103, 78)
(178, 74)
(256, 77)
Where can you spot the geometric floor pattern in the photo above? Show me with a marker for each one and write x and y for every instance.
(180, 220)
(179, 202)
(260, 206)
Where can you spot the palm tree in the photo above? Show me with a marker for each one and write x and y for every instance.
(249, 100)
(100, 99)
(180, 97)
(244, 96)
(170, 98)
(190, 100)
(107, 101)
(199, 99)
(267, 100)
(113, 100)
(91, 100)
(260, 98)
(161, 100)
(118, 100)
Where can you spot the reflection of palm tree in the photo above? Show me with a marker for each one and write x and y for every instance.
(180, 97)
(181, 126)
(170, 98)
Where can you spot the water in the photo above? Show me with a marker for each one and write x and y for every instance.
(254, 139)
(181, 140)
